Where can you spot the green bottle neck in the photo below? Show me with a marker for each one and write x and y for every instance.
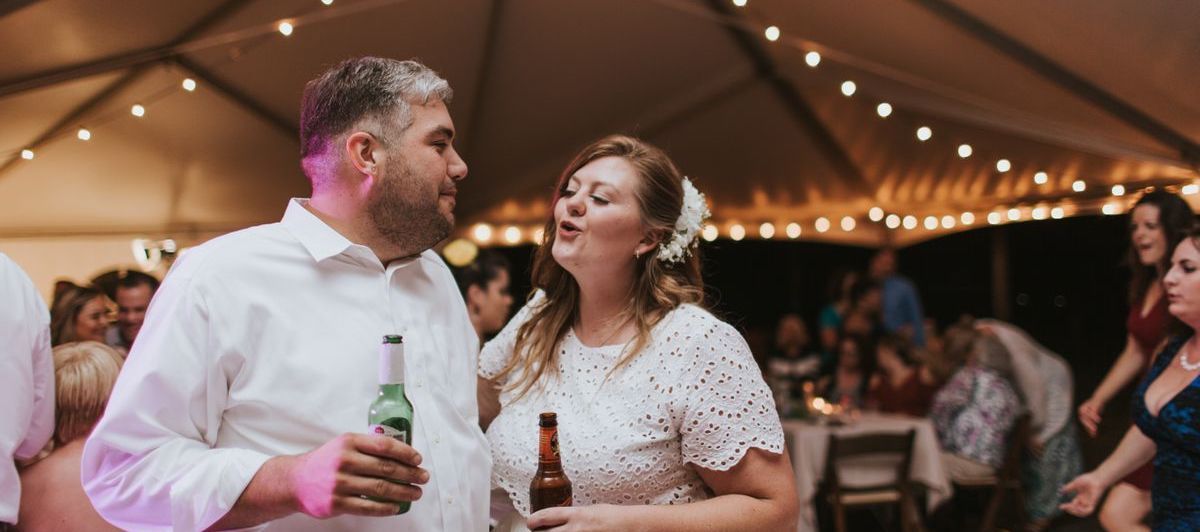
(391, 389)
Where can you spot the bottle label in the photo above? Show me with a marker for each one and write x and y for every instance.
(395, 427)
(549, 445)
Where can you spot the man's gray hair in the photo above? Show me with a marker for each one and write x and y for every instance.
(365, 87)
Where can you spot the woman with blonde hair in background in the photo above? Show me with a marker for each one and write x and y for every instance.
(664, 421)
(84, 375)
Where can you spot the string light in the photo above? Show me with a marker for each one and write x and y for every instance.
(709, 232)
(848, 223)
(948, 222)
(893, 221)
(766, 230)
(771, 33)
(964, 150)
(83, 134)
(1039, 213)
(910, 222)
(967, 218)
(737, 232)
(27, 154)
(189, 84)
(137, 110)
(482, 233)
(1079, 185)
(822, 224)
(286, 28)
(812, 59)
(924, 133)
(538, 235)
(848, 88)
(1003, 165)
(793, 230)
(512, 234)
(1118, 190)
(1014, 214)
(931, 222)
(994, 218)
(1057, 213)
(330, 2)
(875, 214)
(1110, 209)
(884, 110)
(1041, 178)
(1190, 190)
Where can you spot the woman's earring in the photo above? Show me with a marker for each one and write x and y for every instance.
(637, 255)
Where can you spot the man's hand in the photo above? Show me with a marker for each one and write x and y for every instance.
(336, 478)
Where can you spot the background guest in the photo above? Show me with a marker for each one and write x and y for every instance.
(973, 412)
(847, 385)
(1158, 223)
(484, 286)
(84, 375)
(132, 291)
(80, 313)
(901, 310)
(829, 321)
(792, 362)
(901, 386)
(1043, 380)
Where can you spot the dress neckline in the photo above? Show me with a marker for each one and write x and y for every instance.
(1162, 368)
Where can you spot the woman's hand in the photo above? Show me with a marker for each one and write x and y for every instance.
(1088, 489)
(1089, 415)
(579, 519)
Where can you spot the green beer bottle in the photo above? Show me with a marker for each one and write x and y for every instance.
(391, 414)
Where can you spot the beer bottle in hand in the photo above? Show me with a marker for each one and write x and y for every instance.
(550, 486)
(391, 414)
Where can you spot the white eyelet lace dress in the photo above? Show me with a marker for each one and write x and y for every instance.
(693, 397)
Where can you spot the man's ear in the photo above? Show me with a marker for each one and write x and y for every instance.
(361, 150)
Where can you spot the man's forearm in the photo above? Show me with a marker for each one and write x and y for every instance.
(268, 496)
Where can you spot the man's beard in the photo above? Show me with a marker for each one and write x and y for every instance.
(405, 218)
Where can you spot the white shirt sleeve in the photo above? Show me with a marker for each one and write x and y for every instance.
(150, 463)
(26, 380)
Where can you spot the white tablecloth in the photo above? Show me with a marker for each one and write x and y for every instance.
(807, 444)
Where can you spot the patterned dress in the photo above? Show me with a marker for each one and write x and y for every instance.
(1175, 492)
(973, 413)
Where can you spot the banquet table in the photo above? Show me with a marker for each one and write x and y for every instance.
(807, 442)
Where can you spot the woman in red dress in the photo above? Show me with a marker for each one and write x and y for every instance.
(1159, 221)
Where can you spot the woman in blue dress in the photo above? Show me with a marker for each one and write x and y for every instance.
(1166, 410)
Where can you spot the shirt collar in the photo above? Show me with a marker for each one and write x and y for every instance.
(321, 241)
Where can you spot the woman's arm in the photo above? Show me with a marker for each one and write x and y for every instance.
(1135, 449)
(487, 394)
(1127, 367)
(758, 494)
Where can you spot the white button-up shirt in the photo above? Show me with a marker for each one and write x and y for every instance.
(26, 380)
(265, 342)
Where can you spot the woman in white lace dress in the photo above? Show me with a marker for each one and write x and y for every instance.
(664, 421)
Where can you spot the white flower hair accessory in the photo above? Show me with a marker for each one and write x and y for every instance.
(687, 226)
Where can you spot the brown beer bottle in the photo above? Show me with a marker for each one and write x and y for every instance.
(550, 486)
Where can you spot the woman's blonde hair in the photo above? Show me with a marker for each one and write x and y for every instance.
(658, 287)
(84, 375)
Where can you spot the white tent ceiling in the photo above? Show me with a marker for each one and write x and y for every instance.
(1103, 91)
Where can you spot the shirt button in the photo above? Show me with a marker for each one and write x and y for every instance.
(449, 500)
(437, 439)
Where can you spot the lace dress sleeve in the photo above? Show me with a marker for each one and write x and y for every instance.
(727, 407)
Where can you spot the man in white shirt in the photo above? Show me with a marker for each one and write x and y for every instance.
(244, 401)
(26, 381)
